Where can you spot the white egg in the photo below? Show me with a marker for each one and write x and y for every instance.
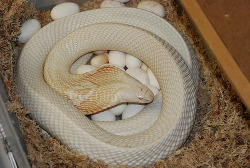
(28, 28)
(139, 74)
(100, 52)
(99, 60)
(144, 67)
(154, 89)
(131, 110)
(117, 58)
(123, 1)
(117, 110)
(103, 116)
(84, 68)
(64, 9)
(132, 61)
(152, 79)
(111, 4)
(153, 7)
(80, 61)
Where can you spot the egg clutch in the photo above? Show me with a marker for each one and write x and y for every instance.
(134, 67)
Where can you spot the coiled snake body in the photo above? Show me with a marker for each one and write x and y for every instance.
(141, 140)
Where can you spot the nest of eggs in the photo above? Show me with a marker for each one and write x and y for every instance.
(219, 137)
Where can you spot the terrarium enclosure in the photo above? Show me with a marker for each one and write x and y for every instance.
(220, 135)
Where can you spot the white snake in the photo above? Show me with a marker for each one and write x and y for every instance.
(140, 140)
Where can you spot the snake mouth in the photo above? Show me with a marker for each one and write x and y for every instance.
(146, 100)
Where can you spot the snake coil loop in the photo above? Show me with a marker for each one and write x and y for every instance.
(152, 134)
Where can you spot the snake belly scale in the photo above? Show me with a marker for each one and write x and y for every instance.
(61, 119)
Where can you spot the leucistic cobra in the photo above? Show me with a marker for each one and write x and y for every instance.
(62, 120)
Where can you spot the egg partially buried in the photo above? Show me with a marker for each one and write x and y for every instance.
(153, 7)
(28, 28)
(111, 4)
(64, 9)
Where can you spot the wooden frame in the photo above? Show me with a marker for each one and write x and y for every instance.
(218, 49)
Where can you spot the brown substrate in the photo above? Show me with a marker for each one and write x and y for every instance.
(220, 136)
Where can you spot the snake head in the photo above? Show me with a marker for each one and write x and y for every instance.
(144, 94)
(138, 93)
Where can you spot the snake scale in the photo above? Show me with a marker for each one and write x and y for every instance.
(152, 134)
